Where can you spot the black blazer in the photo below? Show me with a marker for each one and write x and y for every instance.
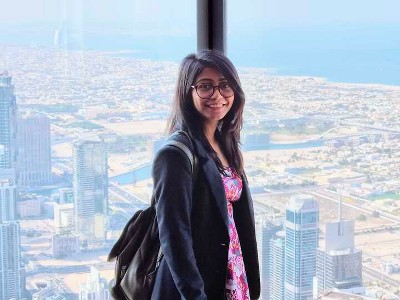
(193, 228)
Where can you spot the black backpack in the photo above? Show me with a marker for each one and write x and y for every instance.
(137, 251)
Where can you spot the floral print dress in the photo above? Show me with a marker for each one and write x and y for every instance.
(236, 282)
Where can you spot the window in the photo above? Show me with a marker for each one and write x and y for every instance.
(94, 80)
(322, 86)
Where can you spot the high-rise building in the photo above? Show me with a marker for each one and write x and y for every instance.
(90, 184)
(339, 263)
(10, 263)
(11, 279)
(2, 157)
(276, 267)
(265, 230)
(34, 150)
(301, 242)
(96, 287)
(8, 195)
(8, 109)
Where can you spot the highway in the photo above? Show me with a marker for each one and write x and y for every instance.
(334, 196)
(380, 276)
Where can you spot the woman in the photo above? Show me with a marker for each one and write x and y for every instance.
(206, 225)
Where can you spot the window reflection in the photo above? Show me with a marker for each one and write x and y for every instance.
(89, 85)
(321, 82)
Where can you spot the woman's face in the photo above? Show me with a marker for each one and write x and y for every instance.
(214, 108)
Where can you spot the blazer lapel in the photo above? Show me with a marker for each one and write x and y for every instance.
(214, 179)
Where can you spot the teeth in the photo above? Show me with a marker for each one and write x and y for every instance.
(215, 105)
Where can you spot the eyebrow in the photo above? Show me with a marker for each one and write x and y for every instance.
(209, 79)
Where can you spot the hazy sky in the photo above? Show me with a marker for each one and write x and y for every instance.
(274, 12)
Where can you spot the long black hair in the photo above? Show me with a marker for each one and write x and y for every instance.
(184, 115)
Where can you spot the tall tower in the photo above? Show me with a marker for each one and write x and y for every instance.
(11, 273)
(339, 264)
(276, 267)
(34, 150)
(90, 184)
(301, 242)
(8, 109)
(11, 279)
(265, 230)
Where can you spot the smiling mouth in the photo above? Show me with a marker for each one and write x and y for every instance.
(216, 105)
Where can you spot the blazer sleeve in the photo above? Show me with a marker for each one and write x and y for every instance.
(172, 177)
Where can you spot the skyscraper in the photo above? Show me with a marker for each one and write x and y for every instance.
(301, 242)
(276, 267)
(11, 281)
(34, 150)
(10, 264)
(339, 264)
(7, 195)
(2, 157)
(8, 109)
(265, 230)
(90, 184)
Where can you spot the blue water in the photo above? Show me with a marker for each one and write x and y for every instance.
(133, 176)
(364, 54)
(309, 144)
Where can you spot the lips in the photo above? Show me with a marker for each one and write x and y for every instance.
(218, 105)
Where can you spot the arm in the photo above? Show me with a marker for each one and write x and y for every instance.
(173, 190)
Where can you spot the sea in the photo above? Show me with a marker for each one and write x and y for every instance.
(367, 55)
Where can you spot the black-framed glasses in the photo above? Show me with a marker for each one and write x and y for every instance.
(206, 90)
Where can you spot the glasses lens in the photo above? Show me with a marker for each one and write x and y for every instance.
(206, 90)
(225, 89)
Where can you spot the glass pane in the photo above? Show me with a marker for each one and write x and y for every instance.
(321, 127)
(85, 90)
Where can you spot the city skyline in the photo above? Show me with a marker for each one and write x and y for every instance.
(321, 119)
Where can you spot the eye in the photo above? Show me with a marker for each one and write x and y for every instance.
(225, 86)
(204, 86)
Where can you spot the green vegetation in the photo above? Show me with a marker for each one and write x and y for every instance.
(388, 195)
(361, 217)
(85, 125)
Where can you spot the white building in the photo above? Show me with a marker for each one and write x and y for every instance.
(95, 288)
(64, 218)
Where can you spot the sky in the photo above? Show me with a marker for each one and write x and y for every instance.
(281, 13)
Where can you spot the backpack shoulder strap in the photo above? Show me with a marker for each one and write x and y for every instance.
(178, 140)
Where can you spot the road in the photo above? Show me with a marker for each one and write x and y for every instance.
(380, 276)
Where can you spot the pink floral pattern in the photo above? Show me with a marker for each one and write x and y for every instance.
(236, 282)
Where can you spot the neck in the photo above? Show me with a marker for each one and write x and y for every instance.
(209, 132)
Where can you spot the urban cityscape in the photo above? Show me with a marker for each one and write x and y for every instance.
(78, 131)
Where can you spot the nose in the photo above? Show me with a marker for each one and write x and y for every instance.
(216, 93)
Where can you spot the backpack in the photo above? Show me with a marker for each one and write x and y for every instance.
(137, 251)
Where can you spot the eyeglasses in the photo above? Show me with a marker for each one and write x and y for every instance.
(206, 90)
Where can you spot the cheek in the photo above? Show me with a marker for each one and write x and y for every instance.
(231, 101)
(196, 104)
